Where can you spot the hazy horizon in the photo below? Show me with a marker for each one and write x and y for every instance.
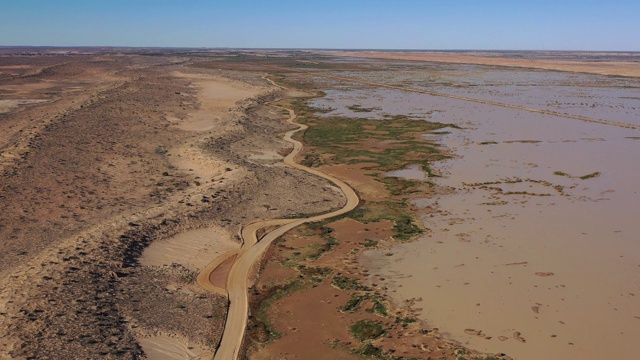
(310, 49)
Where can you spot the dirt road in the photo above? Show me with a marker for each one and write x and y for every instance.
(253, 248)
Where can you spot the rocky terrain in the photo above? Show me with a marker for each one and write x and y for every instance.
(90, 178)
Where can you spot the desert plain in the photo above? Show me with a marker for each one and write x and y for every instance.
(281, 204)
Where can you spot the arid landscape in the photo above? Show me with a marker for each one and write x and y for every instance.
(301, 204)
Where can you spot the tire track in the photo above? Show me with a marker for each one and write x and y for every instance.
(253, 248)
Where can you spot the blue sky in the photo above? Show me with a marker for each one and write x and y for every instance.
(408, 24)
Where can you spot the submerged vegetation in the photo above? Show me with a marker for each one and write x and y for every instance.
(589, 176)
(397, 142)
(583, 177)
(378, 146)
(367, 330)
(372, 147)
(345, 283)
(358, 108)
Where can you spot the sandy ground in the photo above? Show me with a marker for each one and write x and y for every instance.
(217, 96)
(164, 347)
(207, 170)
(619, 68)
(369, 190)
(79, 211)
(7, 105)
(192, 249)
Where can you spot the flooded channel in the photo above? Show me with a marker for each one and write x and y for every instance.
(533, 249)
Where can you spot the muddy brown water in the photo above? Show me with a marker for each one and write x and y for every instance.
(541, 263)
(412, 172)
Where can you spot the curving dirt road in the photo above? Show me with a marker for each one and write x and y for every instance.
(252, 249)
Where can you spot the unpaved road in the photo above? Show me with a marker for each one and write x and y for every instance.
(252, 249)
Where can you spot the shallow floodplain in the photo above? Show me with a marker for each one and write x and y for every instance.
(533, 248)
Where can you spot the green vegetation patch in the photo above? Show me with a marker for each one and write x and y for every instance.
(405, 228)
(313, 251)
(340, 135)
(353, 303)
(583, 177)
(399, 186)
(405, 320)
(397, 211)
(368, 243)
(345, 283)
(370, 351)
(311, 160)
(358, 108)
(378, 308)
(590, 176)
(365, 330)
(344, 140)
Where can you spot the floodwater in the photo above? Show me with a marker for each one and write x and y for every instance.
(534, 251)
(412, 172)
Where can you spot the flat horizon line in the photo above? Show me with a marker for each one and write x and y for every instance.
(302, 49)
